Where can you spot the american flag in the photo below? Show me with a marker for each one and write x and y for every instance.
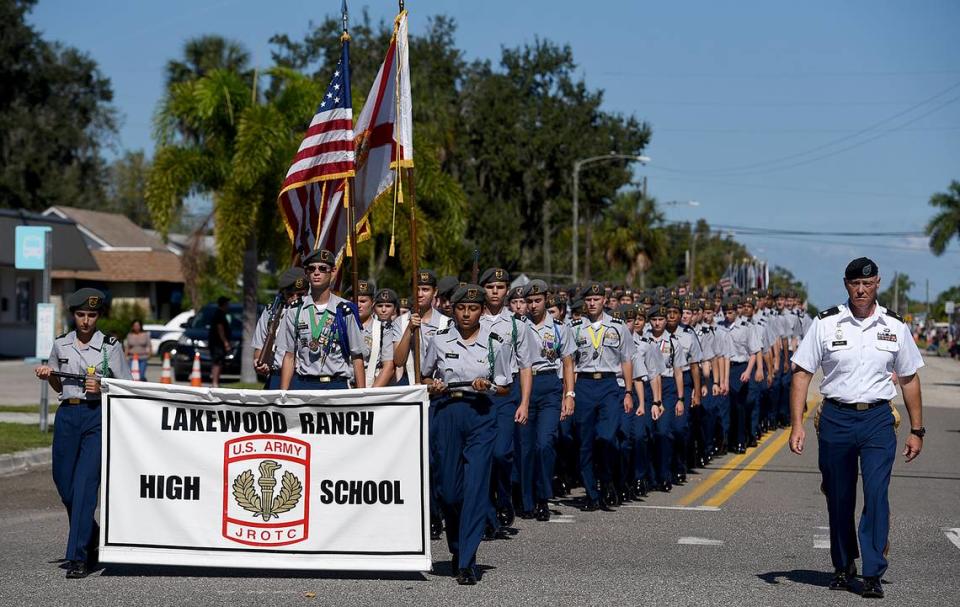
(314, 185)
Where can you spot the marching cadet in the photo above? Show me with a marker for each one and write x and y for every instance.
(86, 352)
(322, 340)
(716, 376)
(671, 406)
(556, 308)
(576, 308)
(689, 354)
(386, 305)
(705, 415)
(551, 401)
(403, 306)
(623, 473)
(446, 287)
(516, 301)
(512, 408)
(859, 345)
(291, 285)
(744, 355)
(788, 326)
(428, 318)
(380, 338)
(603, 346)
(462, 366)
(648, 367)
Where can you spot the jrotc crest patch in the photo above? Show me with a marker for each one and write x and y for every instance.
(93, 302)
(299, 283)
(266, 490)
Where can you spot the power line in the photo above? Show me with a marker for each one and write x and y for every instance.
(869, 245)
(790, 188)
(778, 231)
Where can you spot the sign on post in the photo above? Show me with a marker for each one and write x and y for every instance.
(31, 248)
(46, 325)
(949, 307)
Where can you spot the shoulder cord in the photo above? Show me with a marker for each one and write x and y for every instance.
(491, 357)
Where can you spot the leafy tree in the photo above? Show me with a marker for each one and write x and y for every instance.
(945, 225)
(632, 236)
(205, 54)
(216, 137)
(55, 116)
(126, 185)
(938, 309)
(783, 279)
(901, 285)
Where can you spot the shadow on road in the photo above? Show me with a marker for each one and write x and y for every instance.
(798, 576)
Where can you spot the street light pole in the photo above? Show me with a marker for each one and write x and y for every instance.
(577, 165)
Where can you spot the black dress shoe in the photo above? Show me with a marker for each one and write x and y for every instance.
(591, 505)
(609, 498)
(843, 579)
(872, 587)
(542, 512)
(625, 496)
(527, 514)
(665, 487)
(679, 479)
(506, 516)
(436, 528)
(560, 487)
(466, 576)
(77, 570)
(489, 533)
(639, 490)
(454, 564)
(752, 443)
(740, 448)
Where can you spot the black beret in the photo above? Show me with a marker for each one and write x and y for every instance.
(404, 302)
(366, 287)
(627, 311)
(426, 278)
(657, 312)
(387, 296)
(447, 285)
(293, 278)
(730, 303)
(515, 293)
(749, 300)
(576, 305)
(320, 256)
(535, 287)
(494, 275)
(469, 294)
(90, 300)
(691, 304)
(641, 311)
(553, 301)
(862, 267)
(594, 288)
(674, 303)
(647, 300)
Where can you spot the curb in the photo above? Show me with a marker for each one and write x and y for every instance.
(12, 464)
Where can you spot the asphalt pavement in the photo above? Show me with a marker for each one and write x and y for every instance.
(748, 530)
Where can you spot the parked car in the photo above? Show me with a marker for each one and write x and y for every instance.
(163, 338)
(194, 339)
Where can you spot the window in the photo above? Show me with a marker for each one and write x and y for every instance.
(25, 302)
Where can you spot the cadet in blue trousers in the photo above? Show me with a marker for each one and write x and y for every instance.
(292, 284)
(603, 346)
(76, 435)
(671, 406)
(859, 345)
(551, 401)
(463, 366)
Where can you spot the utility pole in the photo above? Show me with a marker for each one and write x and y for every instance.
(896, 292)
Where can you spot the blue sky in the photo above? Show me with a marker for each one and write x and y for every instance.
(819, 116)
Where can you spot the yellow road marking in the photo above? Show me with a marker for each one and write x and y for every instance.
(762, 459)
(718, 475)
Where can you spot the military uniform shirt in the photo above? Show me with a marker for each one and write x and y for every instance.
(517, 332)
(449, 358)
(708, 341)
(295, 336)
(389, 336)
(668, 347)
(602, 346)
(553, 342)
(260, 334)
(744, 340)
(858, 356)
(689, 351)
(69, 356)
(647, 361)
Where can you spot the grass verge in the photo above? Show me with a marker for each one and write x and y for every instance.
(18, 437)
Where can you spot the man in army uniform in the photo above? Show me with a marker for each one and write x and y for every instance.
(291, 285)
(88, 353)
(322, 340)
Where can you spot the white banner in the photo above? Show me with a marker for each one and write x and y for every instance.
(268, 479)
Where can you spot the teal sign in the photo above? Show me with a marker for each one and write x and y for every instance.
(31, 247)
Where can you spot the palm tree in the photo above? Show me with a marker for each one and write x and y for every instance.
(203, 54)
(216, 138)
(632, 236)
(945, 225)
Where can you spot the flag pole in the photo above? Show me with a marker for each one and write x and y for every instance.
(348, 190)
(415, 267)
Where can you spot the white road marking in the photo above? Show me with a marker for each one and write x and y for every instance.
(693, 508)
(699, 541)
(821, 540)
(953, 535)
(562, 518)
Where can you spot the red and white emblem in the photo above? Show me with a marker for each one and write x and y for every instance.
(266, 490)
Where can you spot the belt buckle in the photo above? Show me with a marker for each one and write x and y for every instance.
(862, 406)
(324, 379)
(456, 394)
(73, 401)
(597, 376)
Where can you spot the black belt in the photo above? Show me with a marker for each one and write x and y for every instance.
(321, 379)
(545, 371)
(80, 401)
(596, 375)
(738, 362)
(856, 406)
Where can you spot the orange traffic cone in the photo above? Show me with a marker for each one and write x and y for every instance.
(135, 368)
(195, 377)
(166, 374)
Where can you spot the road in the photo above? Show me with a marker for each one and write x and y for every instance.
(747, 531)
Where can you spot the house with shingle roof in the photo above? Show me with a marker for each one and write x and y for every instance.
(133, 266)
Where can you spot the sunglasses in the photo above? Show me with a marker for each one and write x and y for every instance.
(317, 267)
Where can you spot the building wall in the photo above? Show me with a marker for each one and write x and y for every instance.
(19, 292)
